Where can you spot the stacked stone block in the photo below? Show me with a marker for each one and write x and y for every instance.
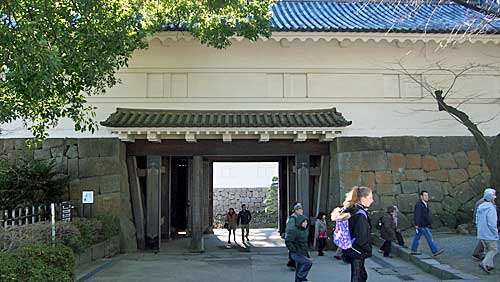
(398, 168)
(92, 164)
(253, 198)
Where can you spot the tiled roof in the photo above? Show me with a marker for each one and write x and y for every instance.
(346, 16)
(373, 17)
(235, 119)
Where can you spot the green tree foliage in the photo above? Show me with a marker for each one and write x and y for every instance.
(28, 182)
(271, 200)
(55, 53)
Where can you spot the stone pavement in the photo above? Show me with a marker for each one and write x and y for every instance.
(458, 253)
(263, 260)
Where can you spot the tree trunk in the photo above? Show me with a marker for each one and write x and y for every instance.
(489, 151)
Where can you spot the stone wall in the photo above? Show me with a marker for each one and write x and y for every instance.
(92, 164)
(398, 168)
(253, 198)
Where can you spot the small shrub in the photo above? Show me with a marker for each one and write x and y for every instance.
(90, 230)
(36, 263)
(110, 225)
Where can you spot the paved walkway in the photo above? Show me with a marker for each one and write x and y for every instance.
(458, 254)
(263, 260)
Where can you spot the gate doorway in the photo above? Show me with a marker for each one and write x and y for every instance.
(179, 197)
(172, 196)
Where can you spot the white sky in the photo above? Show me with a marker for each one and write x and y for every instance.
(244, 174)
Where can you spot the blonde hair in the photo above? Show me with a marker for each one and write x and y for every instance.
(355, 195)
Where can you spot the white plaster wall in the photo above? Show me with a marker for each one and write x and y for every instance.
(356, 79)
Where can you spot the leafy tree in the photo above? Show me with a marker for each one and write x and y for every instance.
(55, 53)
(28, 182)
(271, 200)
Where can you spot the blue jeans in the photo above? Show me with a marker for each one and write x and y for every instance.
(428, 236)
(303, 265)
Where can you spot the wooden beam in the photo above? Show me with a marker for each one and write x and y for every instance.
(136, 197)
(197, 244)
(302, 163)
(238, 147)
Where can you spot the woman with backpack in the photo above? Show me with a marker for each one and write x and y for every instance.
(358, 228)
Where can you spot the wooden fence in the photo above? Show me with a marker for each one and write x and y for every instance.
(28, 215)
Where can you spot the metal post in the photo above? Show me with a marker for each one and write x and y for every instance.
(53, 222)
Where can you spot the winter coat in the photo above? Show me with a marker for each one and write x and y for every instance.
(360, 229)
(422, 215)
(486, 218)
(478, 203)
(244, 217)
(232, 220)
(320, 227)
(296, 236)
(388, 230)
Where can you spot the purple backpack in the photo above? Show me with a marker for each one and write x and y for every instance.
(342, 235)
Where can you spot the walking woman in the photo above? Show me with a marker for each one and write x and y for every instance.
(360, 229)
(232, 223)
(388, 231)
(321, 232)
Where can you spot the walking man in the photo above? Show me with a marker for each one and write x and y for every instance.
(244, 218)
(487, 230)
(296, 242)
(423, 219)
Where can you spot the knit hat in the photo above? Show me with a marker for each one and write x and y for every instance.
(298, 206)
(490, 194)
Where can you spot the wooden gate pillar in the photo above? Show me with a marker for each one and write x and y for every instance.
(153, 199)
(196, 187)
(302, 163)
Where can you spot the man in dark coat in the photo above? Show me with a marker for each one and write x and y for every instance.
(423, 219)
(296, 242)
(244, 218)
(388, 231)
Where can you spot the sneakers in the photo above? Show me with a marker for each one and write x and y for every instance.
(415, 253)
(484, 268)
(440, 251)
(476, 258)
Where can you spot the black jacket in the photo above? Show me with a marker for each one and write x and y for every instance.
(422, 215)
(360, 229)
(244, 217)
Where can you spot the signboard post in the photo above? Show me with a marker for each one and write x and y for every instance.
(87, 199)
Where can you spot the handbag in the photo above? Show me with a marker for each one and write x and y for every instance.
(322, 235)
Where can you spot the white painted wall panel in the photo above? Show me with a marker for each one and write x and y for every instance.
(345, 85)
(179, 85)
(228, 85)
(131, 85)
(155, 85)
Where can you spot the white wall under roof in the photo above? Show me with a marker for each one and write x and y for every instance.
(355, 78)
(244, 174)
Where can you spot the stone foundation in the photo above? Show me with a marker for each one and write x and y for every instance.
(93, 164)
(253, 198)
(398, 168)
